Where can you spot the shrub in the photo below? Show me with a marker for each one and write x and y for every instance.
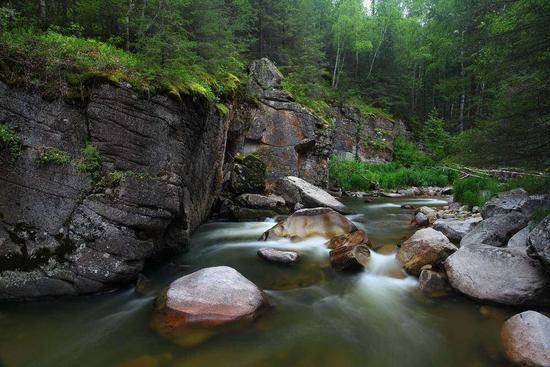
(475, 191)
(434, 137)
(408, 154)
(10, 144)
(90, 161)
(55, 156)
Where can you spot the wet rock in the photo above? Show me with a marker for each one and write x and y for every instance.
(248, 175)
(539, 243)
(304, 223)
(408, 206)
(392, 195)
(162, 360)
(279, 256)
(243, 214)
(349, 258)
(514, 200)
(426, 246)
(495, 231)
(352, 239)
(295, 190)
(433, 283)
(455, 229)
(256, 201)
(526, 339)
(212, 297)
(499, 275)
(420, 220)
(519, 241)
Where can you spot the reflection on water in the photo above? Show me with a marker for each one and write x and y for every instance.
(320, 318)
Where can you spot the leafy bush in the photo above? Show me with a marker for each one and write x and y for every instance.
(354, 175)
(408, 154)
(90, 161)
(55, 156)
(10, 144)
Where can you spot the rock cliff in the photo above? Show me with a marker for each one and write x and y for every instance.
(65, 230)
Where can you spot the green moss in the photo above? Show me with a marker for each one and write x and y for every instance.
(223, 110)
(115, 178)
(54, 156)
(91, 161)
(11, 147)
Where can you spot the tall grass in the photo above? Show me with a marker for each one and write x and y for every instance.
(354, 175)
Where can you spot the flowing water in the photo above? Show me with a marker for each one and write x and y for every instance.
(319, 318)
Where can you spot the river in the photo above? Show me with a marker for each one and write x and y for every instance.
(320, 317)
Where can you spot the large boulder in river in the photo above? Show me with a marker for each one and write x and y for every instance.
(514, 200)
(454, 229)
(426, 247)
(256, 201)
(496, 230)
(539, 242)
(499, 275)
(207, 298)
(295, 190)
(519, 241)
(526, 339)
(304, 223)
(279, 256)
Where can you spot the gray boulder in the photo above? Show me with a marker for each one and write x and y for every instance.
(256, 201)
(279, 256)
(295, 190)
(519, 240)
(455, 229)
(539, 243)
(433, 283)
(265, 73)
(514, 200)
(498, 275)
(526, 339)
(496, 230)
(426, 247)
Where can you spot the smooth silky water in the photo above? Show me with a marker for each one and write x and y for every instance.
(319, 318)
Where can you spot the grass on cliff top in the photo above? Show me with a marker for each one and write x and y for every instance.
(61, 65)
(359, 176)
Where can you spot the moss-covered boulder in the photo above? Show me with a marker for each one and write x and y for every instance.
(248, 174)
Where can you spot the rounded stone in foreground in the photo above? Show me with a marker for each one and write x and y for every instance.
(214, 295)
(279, 256)
(526, 339)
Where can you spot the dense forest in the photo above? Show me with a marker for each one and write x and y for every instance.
(479, 67)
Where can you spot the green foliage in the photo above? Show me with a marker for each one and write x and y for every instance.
(10, 144)
(354, 175)
(91, 161)
(434, 137)
(115, 178)
(408, 154)
(54, 156)
(477, 190)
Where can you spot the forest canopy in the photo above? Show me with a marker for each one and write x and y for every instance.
(481, 67)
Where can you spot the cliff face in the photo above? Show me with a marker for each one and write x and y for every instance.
(61, 233)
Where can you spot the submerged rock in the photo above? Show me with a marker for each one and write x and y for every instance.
(433, 283)
(349, 252)
(526, 339)
(495, 231)
(207, 298)
(539, 243)
(295, 190)
(455, 229)
(279, 256)
(426, 247)
(499, 275)
(304, 223)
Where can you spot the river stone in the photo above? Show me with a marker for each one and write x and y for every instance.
(433, 283)
(426, 247)
(212, 296)
(514, 200)
(539, 243)
(304, 223)
(519, 240)
(499, 275)
(349, 258)
(354, 238)
(526, 339)
(420, 220)
(256, 201)
(295, 190)
(495, 231)
(279, 256)
(455, 229)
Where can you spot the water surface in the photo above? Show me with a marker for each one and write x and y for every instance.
(320, 317)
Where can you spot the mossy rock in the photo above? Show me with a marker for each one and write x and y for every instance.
(248, 174)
